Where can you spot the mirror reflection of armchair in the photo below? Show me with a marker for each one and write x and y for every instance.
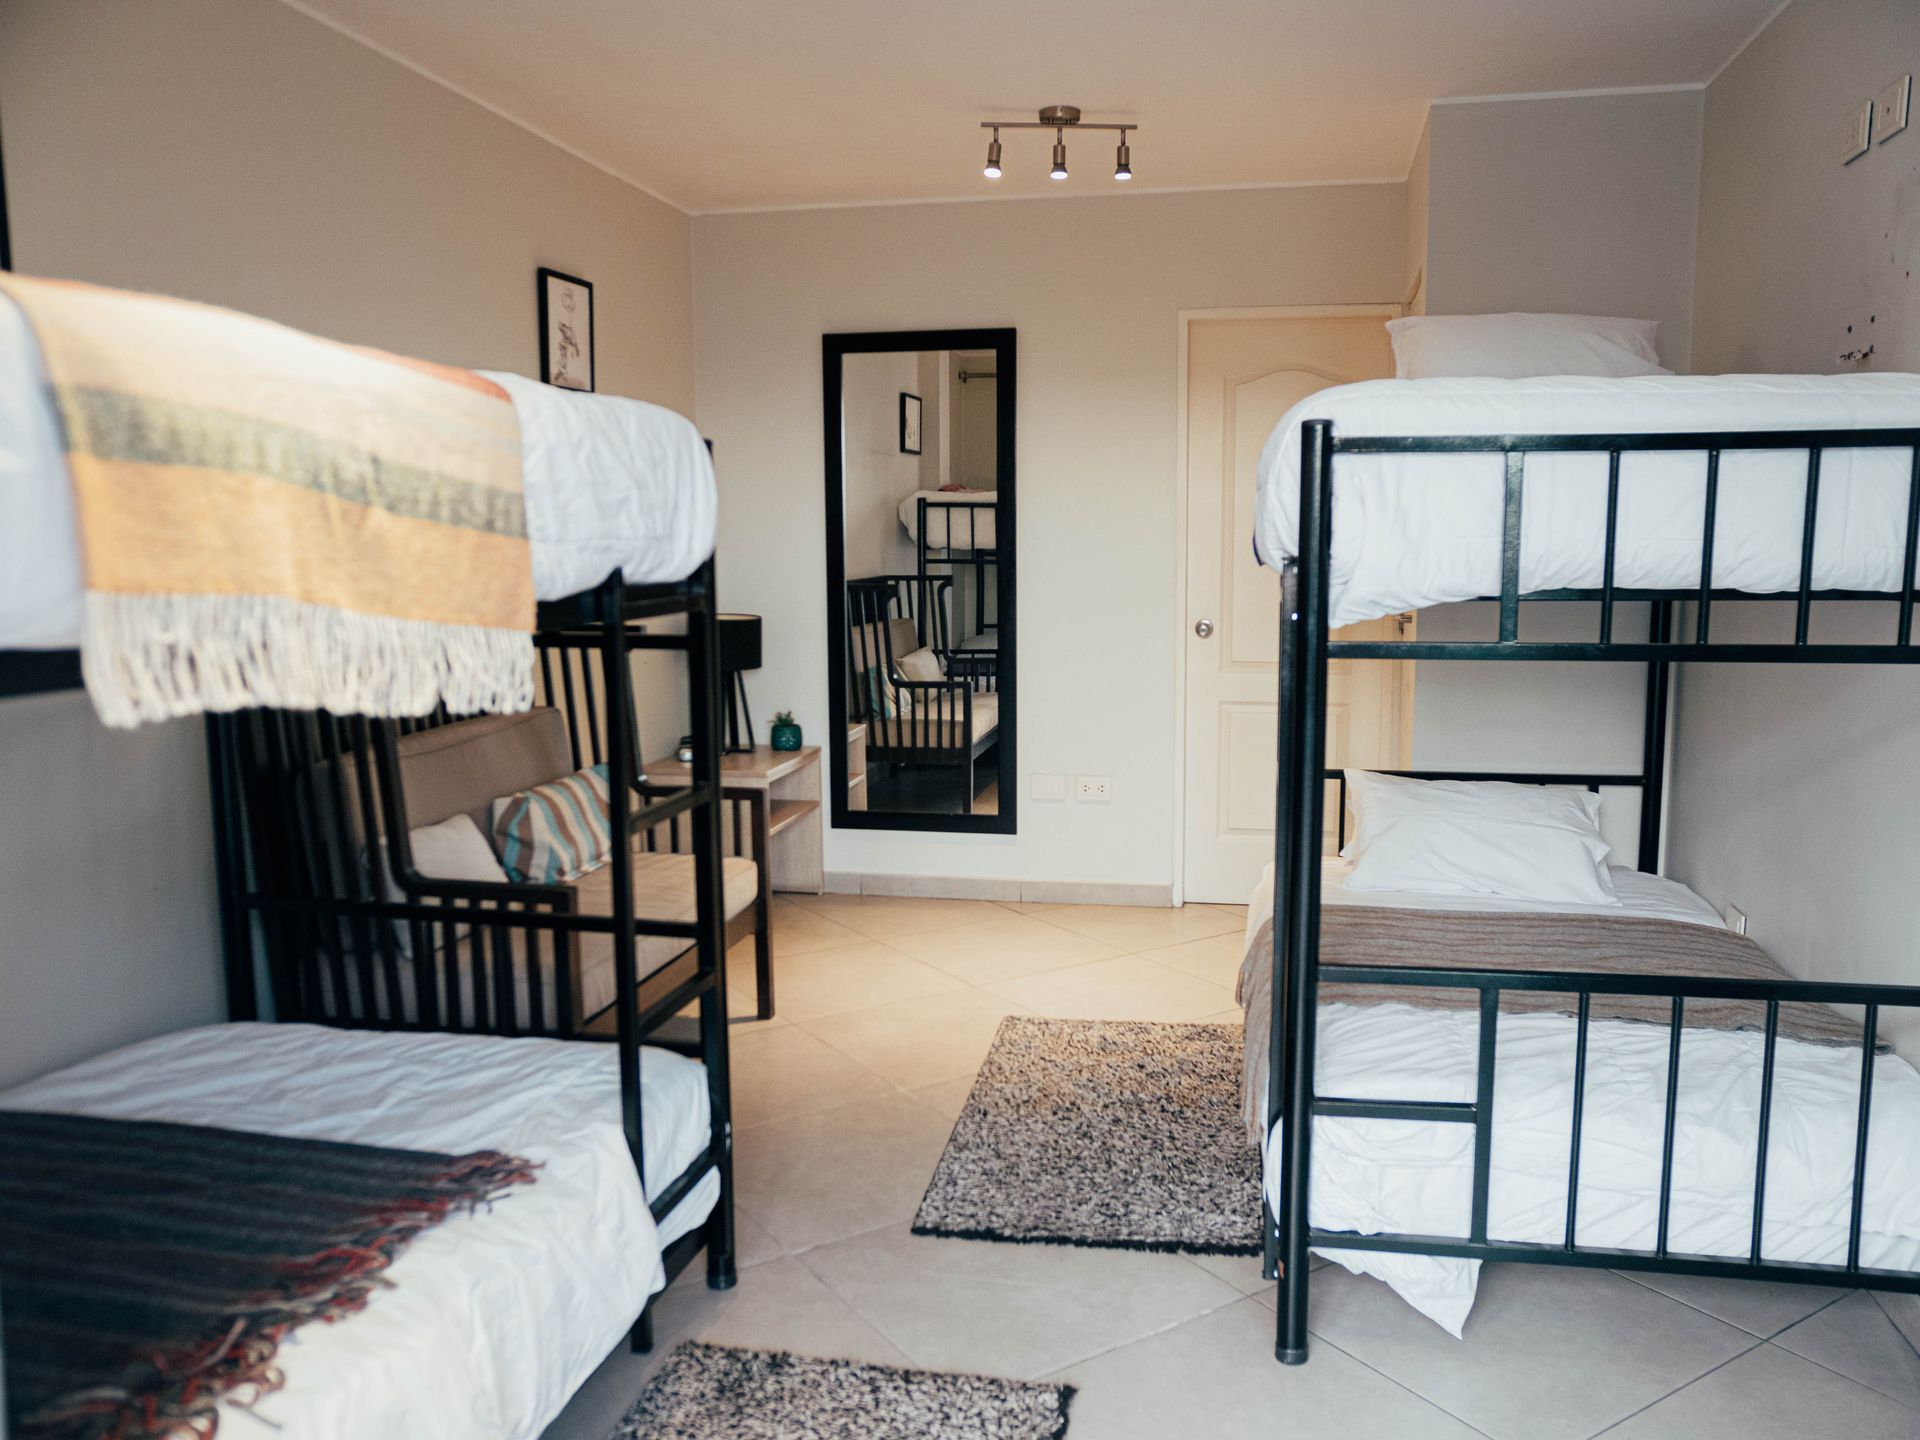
(925, 705)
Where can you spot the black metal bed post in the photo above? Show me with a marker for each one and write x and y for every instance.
(1303, 905)
(1653, 758)
(703, 693)
(229, 867)
(1285, 801)
(622, 775)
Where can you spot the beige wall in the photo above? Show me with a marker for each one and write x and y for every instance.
(1584, 204)
(1796, 790)
(879, 475)
(234, 151)
(1094, 287)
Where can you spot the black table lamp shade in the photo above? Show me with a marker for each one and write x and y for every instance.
(739, 647)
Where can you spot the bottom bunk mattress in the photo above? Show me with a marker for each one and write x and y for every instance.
(494, 1318)
(1416, 1177)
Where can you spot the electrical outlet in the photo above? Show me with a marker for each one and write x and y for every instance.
(1048, 787)
(1857, 137)
(1094, 787)
(1890, 108)
(1735, 917)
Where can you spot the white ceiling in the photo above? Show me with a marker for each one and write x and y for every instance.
(730, 104)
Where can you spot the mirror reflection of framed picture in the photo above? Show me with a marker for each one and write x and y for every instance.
(566, 330)
(909, 423)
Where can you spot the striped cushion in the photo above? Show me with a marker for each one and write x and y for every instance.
(556, 831)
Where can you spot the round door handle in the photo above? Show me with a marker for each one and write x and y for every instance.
(1203, 628)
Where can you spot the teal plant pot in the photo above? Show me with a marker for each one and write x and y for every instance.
(786, 737)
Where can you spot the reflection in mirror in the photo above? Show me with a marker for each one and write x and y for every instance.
(922, 580)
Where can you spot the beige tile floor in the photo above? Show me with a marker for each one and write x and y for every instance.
(844, 1101)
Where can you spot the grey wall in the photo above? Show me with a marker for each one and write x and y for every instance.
(1795, 247)
(1584, 204)
(1797, 791)
(237, 152)
(1419, 213)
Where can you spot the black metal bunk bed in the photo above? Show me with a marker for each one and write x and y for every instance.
(1673, 637)
(299, 798)
(290, 876)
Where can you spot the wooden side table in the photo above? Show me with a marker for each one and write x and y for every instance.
(791, 780)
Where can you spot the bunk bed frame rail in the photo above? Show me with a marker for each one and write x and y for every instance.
(1300, 802)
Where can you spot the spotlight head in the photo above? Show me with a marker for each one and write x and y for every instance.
(1059, 171)
(992, 170)
(1123, 161)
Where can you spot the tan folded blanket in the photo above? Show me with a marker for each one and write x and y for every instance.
(268, 518)
(1488, 940)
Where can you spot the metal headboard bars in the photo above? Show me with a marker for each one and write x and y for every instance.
(958, 557)
(1321, 445)
(1300, 801)
(313, 855)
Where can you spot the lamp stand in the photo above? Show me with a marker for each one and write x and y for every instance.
(739, 715)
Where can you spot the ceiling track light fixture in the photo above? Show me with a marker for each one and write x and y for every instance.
(1059, 119)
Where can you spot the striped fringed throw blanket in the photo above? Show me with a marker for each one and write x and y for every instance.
(1501, 940)
(268, 518)
(149, 1271)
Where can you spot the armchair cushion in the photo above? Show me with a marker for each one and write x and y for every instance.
(557, 831)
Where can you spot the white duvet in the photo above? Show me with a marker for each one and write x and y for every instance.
(495, 1318)
(610, 483)
(1371, 1176)
(1416, 530)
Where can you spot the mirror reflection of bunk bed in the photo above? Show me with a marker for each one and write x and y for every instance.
(954, 537)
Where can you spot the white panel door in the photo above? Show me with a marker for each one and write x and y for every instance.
(1242, 376)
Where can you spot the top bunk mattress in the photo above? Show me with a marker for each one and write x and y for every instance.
(956, 519)
(610, 484)
(1409, 531)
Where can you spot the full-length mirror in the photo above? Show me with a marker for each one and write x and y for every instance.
(920, 598)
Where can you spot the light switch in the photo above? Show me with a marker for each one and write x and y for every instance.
(1890, 109)
(1859, 133)
(1049, 787)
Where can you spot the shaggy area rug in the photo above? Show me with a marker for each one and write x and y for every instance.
(714, 1392)
(1122, 1134)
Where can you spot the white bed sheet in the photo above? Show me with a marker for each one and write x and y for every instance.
(947, 527)
(495, 1318)
(1411, 531)
(610, 483)
(1389, 1175)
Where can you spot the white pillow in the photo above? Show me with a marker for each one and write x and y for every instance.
(1520, 347)
(1477, 837)
(452, 850)
(923, 664)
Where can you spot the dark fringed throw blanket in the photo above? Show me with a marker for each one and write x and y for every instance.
(147, 1271)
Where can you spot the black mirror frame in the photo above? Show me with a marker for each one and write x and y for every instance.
(834, 349)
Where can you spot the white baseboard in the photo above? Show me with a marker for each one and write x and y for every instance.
(981, 887)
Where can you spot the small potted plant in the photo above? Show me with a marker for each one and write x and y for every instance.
(786, 731)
